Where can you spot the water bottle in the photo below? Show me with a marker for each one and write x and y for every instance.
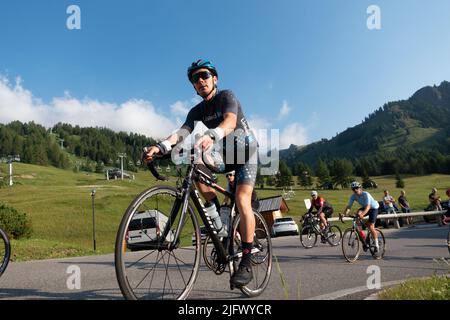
(212, 213)
(361, 234)
(225, 214)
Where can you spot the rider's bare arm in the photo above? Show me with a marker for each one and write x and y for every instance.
(366, 210)
(226, 127)
(229, 123)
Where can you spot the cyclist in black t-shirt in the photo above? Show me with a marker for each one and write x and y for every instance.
(221, 113)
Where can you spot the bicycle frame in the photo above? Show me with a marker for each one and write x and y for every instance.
(358, 228)
(189, 191)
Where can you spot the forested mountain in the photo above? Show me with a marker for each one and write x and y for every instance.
(97, 147)
(404, 136)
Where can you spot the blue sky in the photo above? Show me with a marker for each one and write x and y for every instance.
(308, 68)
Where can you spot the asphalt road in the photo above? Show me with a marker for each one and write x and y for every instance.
(318, 273)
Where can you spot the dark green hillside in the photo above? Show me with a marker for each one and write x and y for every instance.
(408, 132)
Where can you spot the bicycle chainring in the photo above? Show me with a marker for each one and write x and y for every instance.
(217, 267)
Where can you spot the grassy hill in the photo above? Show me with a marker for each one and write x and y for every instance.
(59, 205)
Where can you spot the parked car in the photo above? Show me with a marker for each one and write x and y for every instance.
(202, 236)
(327, 186)
(284, 226)
(369, 184)
(432, 219)
(145, 228)
(116, 173)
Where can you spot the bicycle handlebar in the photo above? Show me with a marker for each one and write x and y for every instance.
(155, 173)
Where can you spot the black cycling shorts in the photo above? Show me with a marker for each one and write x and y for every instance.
(373, 213)
(328, 212)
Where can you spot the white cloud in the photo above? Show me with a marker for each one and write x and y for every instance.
(135, 115)
(285, 110)
(294, 133)
(180, 108)
(139, 116)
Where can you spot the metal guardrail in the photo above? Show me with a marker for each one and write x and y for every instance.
(397, 215)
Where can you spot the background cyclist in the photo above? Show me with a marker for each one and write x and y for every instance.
(324, 210)
(220, 111)
(369, 207)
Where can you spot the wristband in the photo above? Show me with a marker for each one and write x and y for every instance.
(164, 146)
(216, 134)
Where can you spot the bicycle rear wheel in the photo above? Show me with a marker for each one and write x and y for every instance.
(308, 238)
(350, 245)
(261, 259)
(146, 266)
(381, 245)
(5, 251)
(334, 236)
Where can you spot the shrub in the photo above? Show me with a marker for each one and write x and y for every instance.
(16, 224)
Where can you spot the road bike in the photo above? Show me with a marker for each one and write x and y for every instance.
(311, 229)
(160, 258)
(354, 238)
(5, 251)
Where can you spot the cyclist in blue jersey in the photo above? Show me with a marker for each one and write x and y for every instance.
(369, 207)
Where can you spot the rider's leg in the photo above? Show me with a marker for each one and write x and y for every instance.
(323, 221)
(208, 193)
(245, 181)
(373, 213)
(243, 202)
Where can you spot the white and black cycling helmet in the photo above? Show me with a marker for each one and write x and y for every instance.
(356, 185)
(314, 193)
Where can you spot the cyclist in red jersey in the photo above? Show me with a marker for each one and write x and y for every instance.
(324, 209)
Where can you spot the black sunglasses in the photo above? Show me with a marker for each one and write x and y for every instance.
(354, 189)
(204, 75)
(229, 175)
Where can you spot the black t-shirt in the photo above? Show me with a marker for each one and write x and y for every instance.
(211, 113)
(403, 201)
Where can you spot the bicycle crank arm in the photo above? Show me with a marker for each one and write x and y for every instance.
(239, 254)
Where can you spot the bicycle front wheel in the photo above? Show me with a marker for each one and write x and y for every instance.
(5, 251)
(350, 245)
(261, 258)
(148, 265)
(334, 236)
(308, 238)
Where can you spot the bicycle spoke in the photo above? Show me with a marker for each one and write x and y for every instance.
(179, 269)
(149, 271)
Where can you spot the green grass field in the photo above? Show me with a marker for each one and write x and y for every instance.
(59, 205)
(434, 288)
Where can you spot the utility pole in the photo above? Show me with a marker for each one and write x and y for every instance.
(93, 219)
(121, 156)
(12, 159)
(62, 143)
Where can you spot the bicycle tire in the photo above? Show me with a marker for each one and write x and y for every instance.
(350, 241)
(382, 246)
(308, 238)
(5, 251)
(334, 236)
(188, 245)
(448, 241)
(262, 260)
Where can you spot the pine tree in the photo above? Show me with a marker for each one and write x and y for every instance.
(322, 173)
(399, 183)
